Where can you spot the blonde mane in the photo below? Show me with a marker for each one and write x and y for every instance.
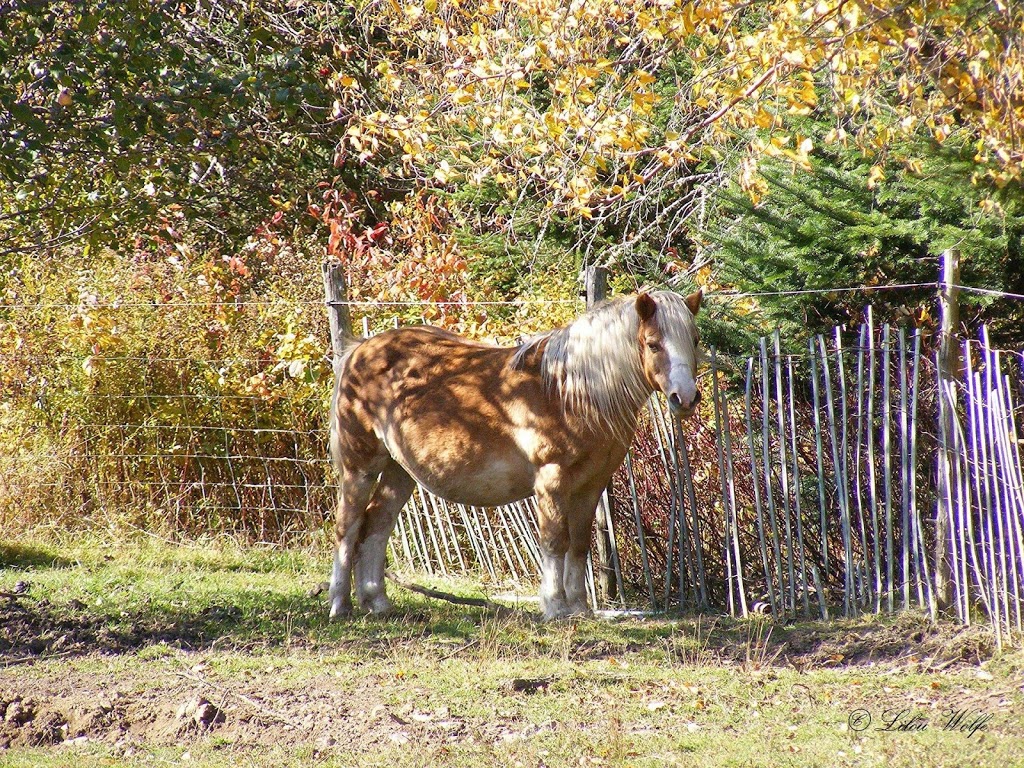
(594, 363)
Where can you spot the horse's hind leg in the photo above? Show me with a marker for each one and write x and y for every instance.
(581, 525)
(392, 492)
(353, 494)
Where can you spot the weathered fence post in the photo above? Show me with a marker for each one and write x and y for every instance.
(595, 283)
(336, 298)
(948, 374)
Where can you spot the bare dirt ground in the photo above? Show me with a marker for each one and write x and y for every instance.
(175, 708)
(174, 700)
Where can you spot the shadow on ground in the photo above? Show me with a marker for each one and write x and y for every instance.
(32, 628)
(758, 643)
(25, 557)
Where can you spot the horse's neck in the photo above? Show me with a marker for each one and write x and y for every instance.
(619, 425)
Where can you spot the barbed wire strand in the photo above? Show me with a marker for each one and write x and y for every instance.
(991, 292)
(501, 302)
(498, 302)
(810, 291)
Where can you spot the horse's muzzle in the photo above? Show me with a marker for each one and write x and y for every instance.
(675, 404)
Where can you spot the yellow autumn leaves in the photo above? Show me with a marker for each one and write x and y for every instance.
(586, 103)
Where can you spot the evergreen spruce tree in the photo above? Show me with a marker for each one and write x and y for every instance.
(839, 224)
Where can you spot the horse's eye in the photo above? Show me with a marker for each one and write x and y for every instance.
(654, 346)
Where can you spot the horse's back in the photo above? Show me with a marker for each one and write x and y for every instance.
(408, 357)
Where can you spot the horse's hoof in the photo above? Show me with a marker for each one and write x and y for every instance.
(555, 611)
(340, 612)
(562, 612)
(378, 606)
(578, 611)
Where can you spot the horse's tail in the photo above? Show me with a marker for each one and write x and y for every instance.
(339, 364)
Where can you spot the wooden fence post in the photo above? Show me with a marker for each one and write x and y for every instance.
(595, 282)
(335, 297)
(948, 373)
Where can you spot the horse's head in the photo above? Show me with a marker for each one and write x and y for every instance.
(668, 347)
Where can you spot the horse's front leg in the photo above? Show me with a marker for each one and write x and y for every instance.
(580, 521)
(574, 580)
(554, 544)
(566, 523)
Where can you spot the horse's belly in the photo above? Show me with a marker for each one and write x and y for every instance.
(474, 479)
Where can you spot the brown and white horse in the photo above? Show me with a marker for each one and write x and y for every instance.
(484, 425)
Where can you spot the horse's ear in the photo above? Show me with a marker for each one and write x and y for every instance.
(645, 306)
(693, 301)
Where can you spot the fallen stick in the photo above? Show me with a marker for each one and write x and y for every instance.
(33, 659)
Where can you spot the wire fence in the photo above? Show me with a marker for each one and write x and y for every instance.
(813, 484)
